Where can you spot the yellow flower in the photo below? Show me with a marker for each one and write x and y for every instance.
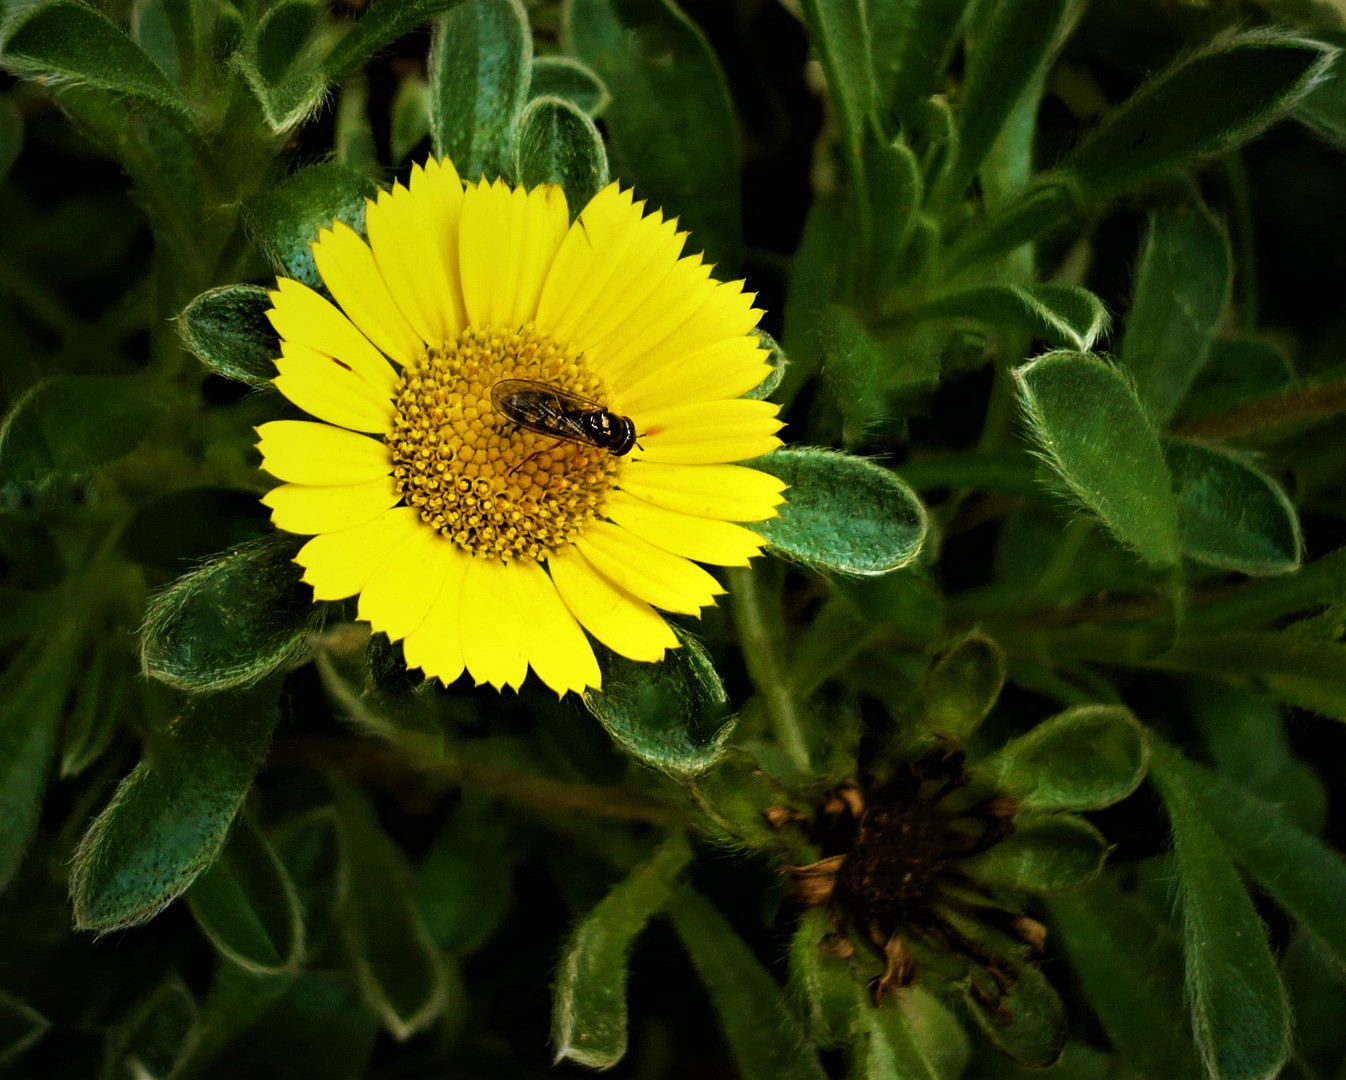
(485, 543)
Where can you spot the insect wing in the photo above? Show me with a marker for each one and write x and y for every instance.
(543, 408)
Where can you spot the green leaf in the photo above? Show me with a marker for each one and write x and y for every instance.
(20, 1027)
(168, 819)
(69, 44)
(671, 716)
(858, 370)
(1313, 586)
(1305, 877)
(404, 979)
(896, 191)
(226, 328)
(1037, 212)
(1090, 428)
(837, 30)
(283, 36)
(33, 692)
(285, 105)
(1238, 370)
(11, 134)
(670, 126)
(151, 1039)
(74, 423)
(236, 1000)
(1057, 314)
(383, 22)
(842, 513)
(1128, 957)
(1082, 759)
(910, 1036)
(247, 906)
(1230, 514)
(1018, 44)
(1292, 668)
(1046, 854)
(562, 77)
(353, 140)
(589, 995)
(732, 795)
(822, 982)
(231, 623)
(763, 1036)
(1182, 287)
(1026, 1019)
(1319, 999)
(98, 710)
(1323, 108)
(1203, 105)
(309, 847)
(1239, 1009)
(317, 1029)
(1248, 743)
(961, 688)
(410, 121)
(464, 883)
(910, 42)
(558, 144)
(479, 68)
(285, 220)
(408, 719)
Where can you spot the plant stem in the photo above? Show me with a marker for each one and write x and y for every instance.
(1309, 403)
(762, 655)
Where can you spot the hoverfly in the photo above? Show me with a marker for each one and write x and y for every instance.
(549, 410)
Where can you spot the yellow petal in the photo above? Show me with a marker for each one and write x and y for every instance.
(411, 259)
(436, 646)
(703, 539)
(727, 492)
(492, 644)
(708, 432)
(311, 509)
(556, 647)
(656, 576)
(398, 595)
(587, 260)
(727, 369)
(507, 241)
(352, 276)
(437, 195)
(303, 452)
(670, 327)
(613, 261)
(681, 294)
(624, 623)
(338, 564)
(301, 316)
(328, 389)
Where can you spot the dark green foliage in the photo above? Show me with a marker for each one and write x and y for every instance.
(1051, 298)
